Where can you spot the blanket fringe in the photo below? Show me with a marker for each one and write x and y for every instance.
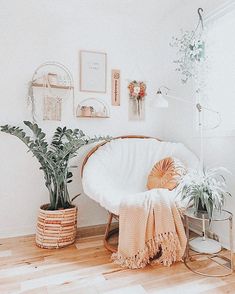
(166, 243)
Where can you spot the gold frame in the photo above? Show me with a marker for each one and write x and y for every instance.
(188, 257)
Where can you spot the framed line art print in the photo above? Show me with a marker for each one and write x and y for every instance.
(93, 71)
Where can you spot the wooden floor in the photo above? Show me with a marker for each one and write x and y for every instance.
(85, 268)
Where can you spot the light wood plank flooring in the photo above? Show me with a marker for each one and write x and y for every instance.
(85, 268)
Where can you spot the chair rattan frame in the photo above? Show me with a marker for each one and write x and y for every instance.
(108, 232)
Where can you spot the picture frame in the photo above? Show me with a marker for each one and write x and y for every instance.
(93, 71)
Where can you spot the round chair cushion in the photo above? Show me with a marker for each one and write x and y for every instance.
(165, 174)
(121, 167)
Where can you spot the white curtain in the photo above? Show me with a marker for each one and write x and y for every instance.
(219, 74)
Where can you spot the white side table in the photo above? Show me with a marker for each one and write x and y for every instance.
(227, 263)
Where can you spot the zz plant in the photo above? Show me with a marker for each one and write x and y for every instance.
(54, 157)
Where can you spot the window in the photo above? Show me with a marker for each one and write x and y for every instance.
(220, 68)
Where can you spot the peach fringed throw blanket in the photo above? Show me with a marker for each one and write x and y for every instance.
(150, 230)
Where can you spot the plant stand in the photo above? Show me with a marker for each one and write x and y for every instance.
(202, 244)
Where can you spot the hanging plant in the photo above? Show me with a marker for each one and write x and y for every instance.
(191, 50)
(137, 93)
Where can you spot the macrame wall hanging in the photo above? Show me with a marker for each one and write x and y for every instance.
(56, 83)
(137, 93)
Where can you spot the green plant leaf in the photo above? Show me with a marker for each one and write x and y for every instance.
(53, 158)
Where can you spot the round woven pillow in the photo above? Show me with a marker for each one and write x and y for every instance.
(165, 174)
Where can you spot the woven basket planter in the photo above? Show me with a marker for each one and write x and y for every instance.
(56, 228)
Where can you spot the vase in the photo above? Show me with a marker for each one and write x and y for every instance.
(200, 207)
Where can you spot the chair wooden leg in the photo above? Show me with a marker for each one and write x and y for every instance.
(109, 233)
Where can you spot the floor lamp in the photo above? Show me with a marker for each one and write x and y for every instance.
(199, 244)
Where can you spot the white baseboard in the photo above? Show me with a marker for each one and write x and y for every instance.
(16, 231)
(86, 231)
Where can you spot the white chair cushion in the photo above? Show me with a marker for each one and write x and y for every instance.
(121, 167)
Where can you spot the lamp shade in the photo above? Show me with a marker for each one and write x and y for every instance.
(160, 101)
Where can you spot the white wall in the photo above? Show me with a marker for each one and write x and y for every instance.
(135, 35)
(131, 32)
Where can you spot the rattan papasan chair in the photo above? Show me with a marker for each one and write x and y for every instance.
(113, 170)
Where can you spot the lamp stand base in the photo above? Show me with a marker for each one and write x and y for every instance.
(208, 246)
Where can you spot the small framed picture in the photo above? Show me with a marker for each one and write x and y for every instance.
(93, 71)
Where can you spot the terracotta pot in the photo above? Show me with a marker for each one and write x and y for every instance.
(56, 228)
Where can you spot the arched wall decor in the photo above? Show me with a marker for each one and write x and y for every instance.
(53, 77)
(92, 108)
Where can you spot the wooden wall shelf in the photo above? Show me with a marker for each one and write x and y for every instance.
(92, 108)
(93, 116)
(52, 86)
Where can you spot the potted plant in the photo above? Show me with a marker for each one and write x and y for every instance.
(204, 189)
(57, 221)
